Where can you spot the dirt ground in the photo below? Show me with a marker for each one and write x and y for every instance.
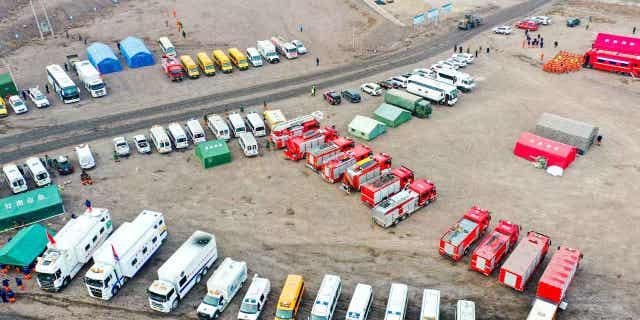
(281, 218)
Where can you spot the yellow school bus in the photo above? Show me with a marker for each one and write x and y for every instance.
(238, 58)
(189, 66)
(290, 298)
(206, 64)
(222, 61)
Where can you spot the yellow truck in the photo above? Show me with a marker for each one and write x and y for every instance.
(189, 66)
(239, 59)
(290, 298)
(206, 64)
(222, 61)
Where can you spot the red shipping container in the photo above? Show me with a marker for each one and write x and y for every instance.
(557, 277)
(524, 260)
(530, 146)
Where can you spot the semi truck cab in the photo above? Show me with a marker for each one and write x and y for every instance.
(103, 281)
(162, 296)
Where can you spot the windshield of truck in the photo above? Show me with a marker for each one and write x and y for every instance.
(210, 68)
(122, 144)
(94, 283)
(176, 72)
(272, 54)
(352, 314)
(70, 92)
(292, 50)
(38, 96)
(41, 176)
(242, 61)
(250, 308)
(97, 86)
(453, 94)
(18, 104)
(181, 140)
(193, 70)
(211, 300)
(227, 65)
(20, 182)
(284, 314)
(46, 277)
(198, 135)
(143, 144)
(315, 317)
(157, 297)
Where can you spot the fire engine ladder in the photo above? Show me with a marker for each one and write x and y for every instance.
(317, 115)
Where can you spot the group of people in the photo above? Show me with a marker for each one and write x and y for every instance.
(537, 42)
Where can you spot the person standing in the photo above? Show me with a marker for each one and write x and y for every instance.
(488, 50)
(599, 140)
(460, 49)
(541, 43)
(184, 34)
(455, 47)
(66, 67)
(555, 44)
(634, 30)
(476, 53)
(317, 62)
(46, 88)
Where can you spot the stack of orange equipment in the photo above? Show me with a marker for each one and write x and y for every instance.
(564, 62)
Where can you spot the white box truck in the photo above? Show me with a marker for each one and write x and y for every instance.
(433, 90)
(121, 257)
(461, 80)
(182, 271)
(430, 309)
(72, 248)
(90, 78)
(268, 51)
(223, 285)
(255, 298)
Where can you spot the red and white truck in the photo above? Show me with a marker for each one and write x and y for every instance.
(398, 207)
(285, 130)
(284, 48)
(335, 169)
(524, 260)
(172, 68)
(455, 243)
(297, 147)
(317, 158)
(386, 185)
(365, 171)
(553, 285)
(494, 247)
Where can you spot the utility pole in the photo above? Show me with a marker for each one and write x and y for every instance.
(36, 17)
(46, 16)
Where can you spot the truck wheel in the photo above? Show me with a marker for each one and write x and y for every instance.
(466, 251)
(65, 282)
(174, 305)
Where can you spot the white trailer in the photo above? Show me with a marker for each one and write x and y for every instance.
(268, 51)
(73, 247)
(182, 271)
(461, 80)
(223, 285)
(90, 78)
(397, 303)
(327, 298)
(430, 305)
(255, 298)
(285, 48)
(361, 302)
(433, 90)
(121, 257)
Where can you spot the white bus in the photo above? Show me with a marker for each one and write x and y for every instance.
(397, 303)
(433, 90)
(327, 298)
(361, 302)
(461, 80)
(62, 85)
(430, 305)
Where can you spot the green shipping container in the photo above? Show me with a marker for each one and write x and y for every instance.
(7, 86)
(418, 106)
(391, 116)
(29, 207)
(25, 246)
(213, 153)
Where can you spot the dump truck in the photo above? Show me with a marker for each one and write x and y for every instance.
(365, 171)
(418, 106)
(172, 68)
(334, 170)
(456, 242)
(297, 147)
(317, 158)
(386, 185)
(72, 248)
(524, 260)
(398, 207)
(283, 131)
(494, 247)
(223, 285)
(554, 283)
(469, 21)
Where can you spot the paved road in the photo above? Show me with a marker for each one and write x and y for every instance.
(41, 140)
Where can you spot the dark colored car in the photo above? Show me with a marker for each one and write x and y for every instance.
(63, 165)
(352, 95)
(387, 84)
(573, 22)
(332, 97)
(380, 2)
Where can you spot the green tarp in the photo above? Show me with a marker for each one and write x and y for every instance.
(213, 153)
(29, 207)
(25, 246)
(366, 128)
(391, 116)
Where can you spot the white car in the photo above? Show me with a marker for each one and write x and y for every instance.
(427, 73)
(142, 145)
(468, 57)
(371, 88)
(121, 146)
(459, 60)
(502, 30)
(299, 46)
(17, 105)
(39, 99)
(439, 66)
(544, 20)
(448, 64)
(454, 64)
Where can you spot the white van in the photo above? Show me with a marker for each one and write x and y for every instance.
(236, 123)
(361, 302)
(160, 139)
(85, 156)
(254, 57)
(195, 131)
(167, 47)
(256, 124)
(178, 136)
(38, 173)
(430, 305)
(248, 144)
(397, 303)
(14, 178)
(465, 310)
(327, 298)
(255, 298)
(218, 127)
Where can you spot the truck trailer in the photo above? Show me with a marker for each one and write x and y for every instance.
(285, 130)
(334, 170)
(72, 248)
(455, 243)
(386, 185)
(317, 158)
(494, 247)
(418, 106)
(223, 285)
(524, 260)
(121, 256)
(365, 171)
(398, 207)
(297, 147)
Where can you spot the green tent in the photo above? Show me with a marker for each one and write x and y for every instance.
(391, 116)
(366, 128)
(29, 207)
(7, 86)
(213, 153)
(25, 246)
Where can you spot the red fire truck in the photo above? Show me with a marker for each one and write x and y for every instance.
(364, 171)
(494, 247)
(553, 285)
(386, 185)
(335, 169)
(456, 241)
(297, 147)
(614, 53)
(172, 68)
(398, 207)
(317, 158)
(524, 260)
(283, 131)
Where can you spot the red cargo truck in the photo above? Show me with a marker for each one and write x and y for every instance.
(386, 185)
(365, 171)
(398, 207)
(285, 130)
(455, 243)
(335, 169)
(494, 247)
(297, 147)
(524, 260)
(614, 53)
(317, 158)
(172, 68)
